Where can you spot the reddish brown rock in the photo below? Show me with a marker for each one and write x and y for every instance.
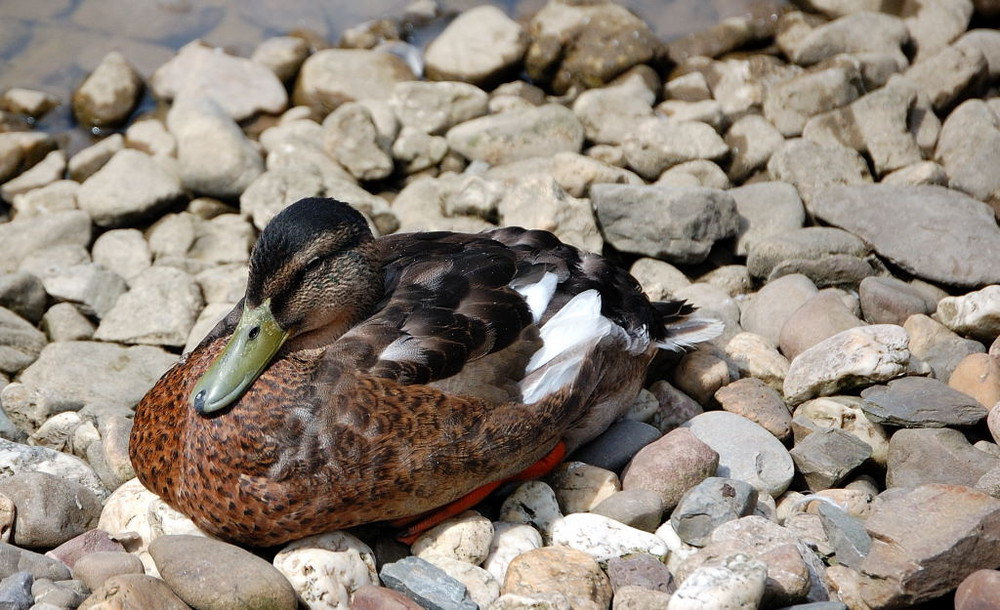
(979, 591)
(371, 597)
(671, 466)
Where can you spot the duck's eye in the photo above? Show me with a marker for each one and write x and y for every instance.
(313, 264)
(254, 332)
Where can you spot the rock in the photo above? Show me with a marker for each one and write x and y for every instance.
(534, 503)
(135, 591)
(94, 569)
(949, 75)
(847, 534)
(436, 107)
(276, 189)
(561, 572)
(239, 87)
(978, 591)
(737, 582)
(611, 114)
(659, 143)
(330, 77)
(814, 169)
(933, 25)
(351, 138)
(770, 308)
(766, 209)
(465, 537)
(481, 44)
(30, 102)
(577, 173)
(20, 342)
(509, 541)
(538, 202)
(752, 140)
(924, 173)
(978, 376)
(754, 400)
(91, 541)
(109, 93)
(214, 157)
(159, 309)
(825, 314)
(47, 171)
(603, 538)
(132, 186)
(50, 509)
(827, 457)
(790, 103)
(91, 286)
(519, 134)
(968, 143)
(586, 45)
(371, 597)
(15, 590)
(426, 583)
(282, 55)
(918, 402)
(21, 150)
(14, 559)
(638, 508)
(938, 455)
(746, 450)
(122, 251)
(975, 314)
(20, 238)
(857, 356)
(16, 459)
(617, 445)
(701, 373)
(151, 137)
(207, 573)
(659, 279)
(934, 344)
(60, 595)
(679, 224)
(55, 196)
(843, 413)
(580, 487)
(326, 569)
(695, 173)
(671, 465)
(709, 504)
(639, 570)
(23, 294)
(952, 532)
(768, 254)
(861, 32)
(887, 300)
(754, 357)
(482, 587)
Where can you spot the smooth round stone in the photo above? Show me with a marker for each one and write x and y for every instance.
(135, 591)
(49, 510)
(509, 541)
(671, 465)
(736, 584)
(562, 570)
(327, 568)
(371, 597)
(766, 312)
(746, 450)
(534, 503)
(640, 570)
(580, 487)
(979, 591)
(822, 316)
(466, 538)
(638, 508)
(213, 575)
(94, 569)
(707, 505)
(617, 445)
(604, 538)
(886, 300)
(753, 399)
(978, 375)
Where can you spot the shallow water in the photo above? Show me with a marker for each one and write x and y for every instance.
(52, 44)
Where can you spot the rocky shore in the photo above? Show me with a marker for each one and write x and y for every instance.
(824, 178)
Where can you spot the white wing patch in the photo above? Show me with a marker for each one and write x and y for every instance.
(578, 322)
(689, 332)
(539, 294)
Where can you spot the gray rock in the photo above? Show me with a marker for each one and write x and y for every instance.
(816, 168)
(539, 202)
(638, 508)
(659, 279)
(426, 583)
(20, 238)
(91, 286)
(436, 107)
(808, 243)
(17, 458)
(131, 187)
(240, 87)
(746, 450)
(703, 111)
(857, 356)
(330, 77)
(417, 150)
(699, 172)
(827, 457)
(50, 509)
(968, 146)
(679, 224)
(918, 402)
(939, 347)
(710, 504)
(20, 342)
(14, 560)
(351, 138)
(918, 174)
(122, 251)
(926, 215)
(278, 188)
(752, 140)
(480, 45)
(610, 114)
(825, 314)
(950, 75)
(753, 356)
(159, 309)
(640, 570)
(136, 591)
(887, 300)
(754, 400)
(659, 143)
(85, 163)
(616, 446)
(920, 456)
(577, 173)
(15, 591)
(860, 32)
(767, 311)
(987, 40)
(214, 157)
(21, 150)
(518, 134)
(950, 532)
(64, 322)
(23, 294)
(208, 573)
(789, 104)
(847, 535)
(109, 93)
(60, 595)
(94, 569)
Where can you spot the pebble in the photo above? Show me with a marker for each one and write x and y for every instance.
(770, 254)
(330, 77)
(826, 457)
(91, 541)
(509, 541)
(790, 103)
(426, 583)
(978, 376)
(709, 504)
(479, 46)
(861, 32)
(57, 195)
(640, 570)
(326, 569)
(736, 583)
(766, 311)
(565, 572)
(975, 314)
(814, 169)
(49, 509)
(60, 595)
(465, 537)
(887, 300)
(48, 170)
(214, 575)
(847, 535)
(754, 357)
(94, 569)
(638, 508)
(918, 402)
(603, 538)
(21, 238)
(135, 591)
(21, 342)
(518, 134)
(934, 455)
(371, 597)
(130, 187)
(671, 465)
(109, 93)
(534, 503)
(617, 445)
(746, 450)
(659, 143)
(351, 138)
(611, 114)
(282, 55)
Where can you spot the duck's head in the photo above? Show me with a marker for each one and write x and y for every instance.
(313, 271)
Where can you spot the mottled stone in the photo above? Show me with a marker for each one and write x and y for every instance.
(754, 400)
(326, 569)
(918, 402)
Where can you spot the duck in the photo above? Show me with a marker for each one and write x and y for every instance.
(365, 380)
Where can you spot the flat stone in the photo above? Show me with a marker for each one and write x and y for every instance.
(822, 316)
(15, 590)
(949, 75)
(94, 569)
(860, 32)
(617, 445)
(736, 582)
(935, 455)
(671, 465)
(827, 457)
(887, 300)
(569, 573)
(159, 309)
(20, 238)
(480, 45)
(20, 342)
(843, 413)
(815, 168)
(136, 591)
(611, 114)
(951, 531)
(767, 311)
(132, 186)
(371, 597)
(638, 508)
(790, 103)
(766, 209)
(48, 170)
(919, 402)
(50, 509)
(746, 450)
(808, 243)
(519, 134)
(330, 77)
(847, 534)
(14, 560)
(426, 583)
(754, 400)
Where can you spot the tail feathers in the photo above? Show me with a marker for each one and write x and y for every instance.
(689, 331)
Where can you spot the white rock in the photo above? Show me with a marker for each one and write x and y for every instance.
(659, 143)
(16, 458)
(123, 251)
(580, 487)
(45, 172)
(737, 584)
(477, 46)
(539, 202)
(466, 538)
(604, 538)
(159, 309)
(678, 549)
(509, 541)
(534, 503)
(435, 107)
(55, 197)
(327, 568)
(351, 138)
(129, 187)
(976, 314)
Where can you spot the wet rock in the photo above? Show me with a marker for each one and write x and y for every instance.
(921, 456)
(330, 77)
(481, 44)
(737, 582)
(94, 569)
(935, 344)
(509, 541)
(136, 591)
(351, 138)
(435, 107)
(827, 457)
(853, 357)
(822, 316)
(746, 450)
(976, 314)
(815, 168)
(159, 309)
(426, 583)
(240, 87)
(968, 144)
(952, 532)
(659, 143)
(789, 104)
(754, 400)
(465, 537)
(50, 509)
(109, 93)
(861, 32)
(325, 570)
(918, 402)
(679, 224)
(671, 465)
(709, 504)
(519, 134)
(561, 572)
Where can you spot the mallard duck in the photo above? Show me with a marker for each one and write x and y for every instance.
(363, 380)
